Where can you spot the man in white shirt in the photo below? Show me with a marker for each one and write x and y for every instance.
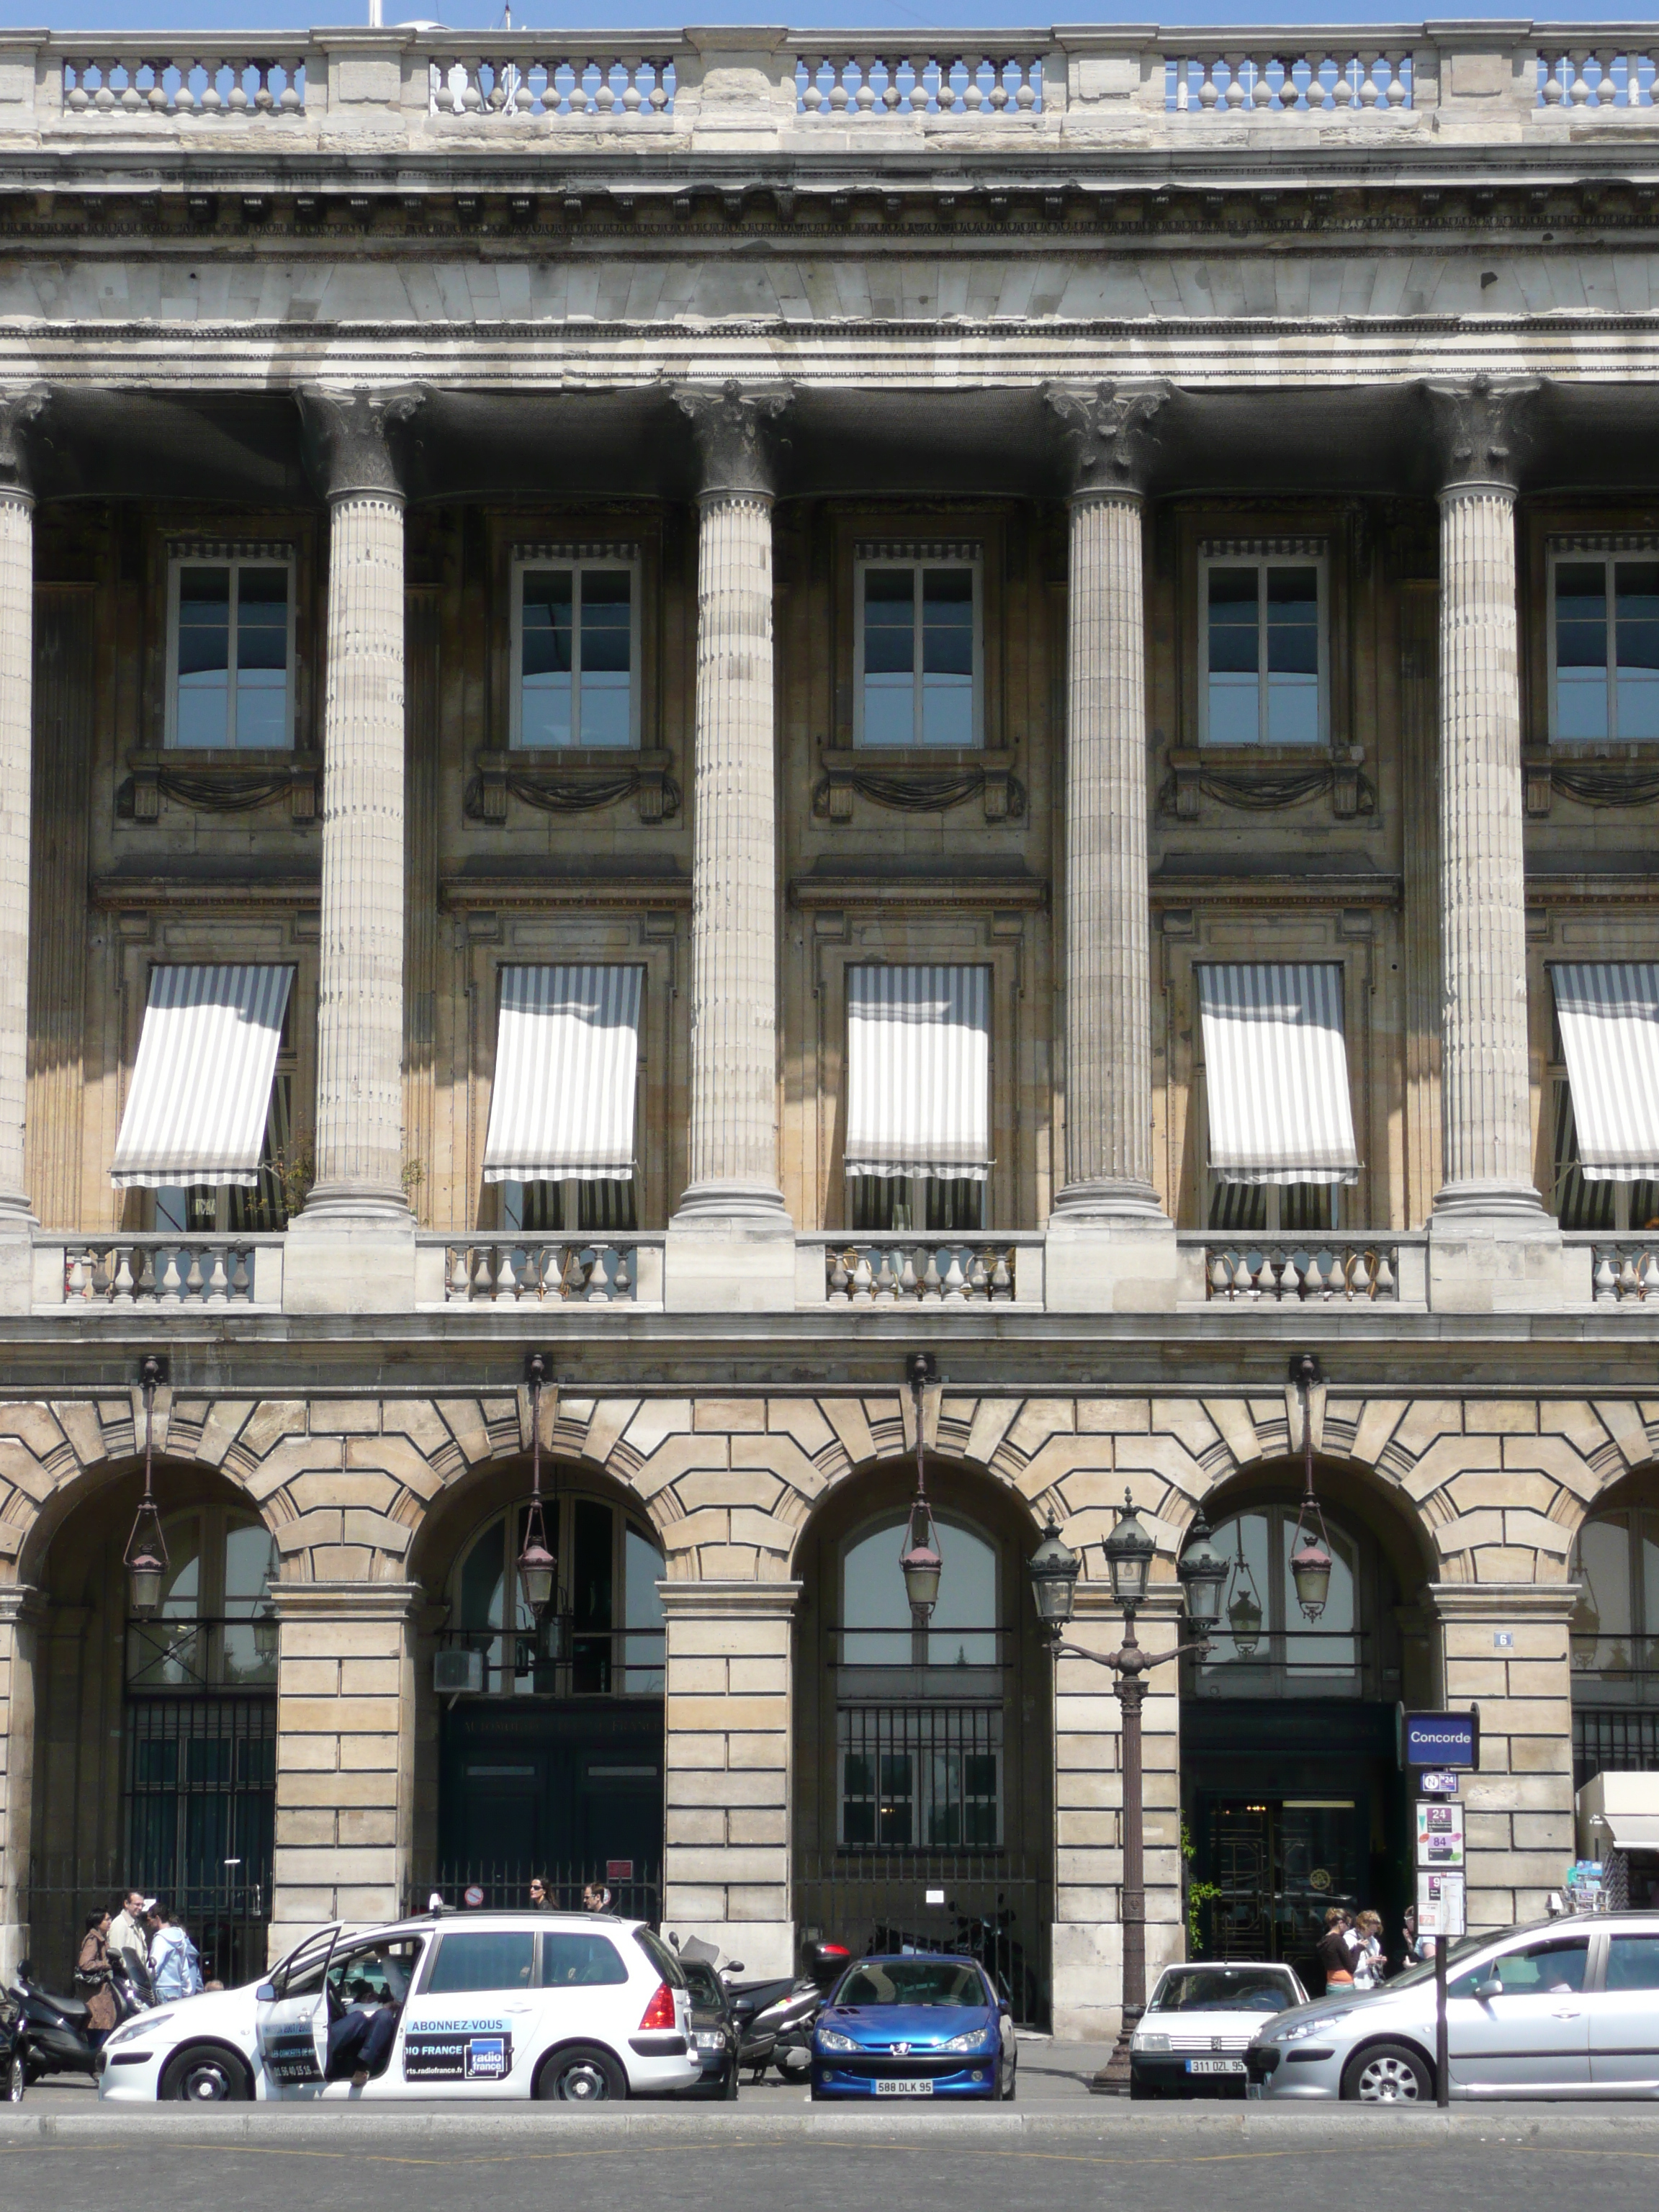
(128, 1939)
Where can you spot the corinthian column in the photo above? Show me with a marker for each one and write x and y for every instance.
(16, 746)
(1488, 1192)
(1123, 1252)
(733, 1185)
(358, 1197)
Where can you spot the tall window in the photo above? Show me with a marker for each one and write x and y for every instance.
(918, 653)
(1264, 654)
(1605, 636)
(602, 1636)
(576, 653)
(1615, 1627)
(1264, 1646)
(201, 1209)
(230, 649)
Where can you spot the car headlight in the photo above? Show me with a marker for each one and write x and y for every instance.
(831, 2038)
(710, 2039)
(976, 2038)
(144, 2025)
(1299, 2030)
(1149, 2043)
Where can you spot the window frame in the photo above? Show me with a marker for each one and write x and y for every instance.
(505, 1680)
(918, 557)
(1608, 550)
(235, 557)
(579, 559)
(1262, 555)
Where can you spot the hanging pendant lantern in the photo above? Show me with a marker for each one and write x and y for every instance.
(267, 1630)
(1244, 1611)
(919, 1561)
(1311, 1546)
(1202, 1573)
(146, 1555)
(538, 1570)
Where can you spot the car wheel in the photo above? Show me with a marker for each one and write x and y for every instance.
(1008, 2072)
(582, 2074)
(16, 2079)
(199, 2075)
(1388, 2074)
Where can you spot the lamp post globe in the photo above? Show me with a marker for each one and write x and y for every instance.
(144, 1576)
(1311, 1570)
(1244, 1620)
(1202, 1573)
(919, 1564)
(1054, 1569)
(535, 1573)
(1129, 1550)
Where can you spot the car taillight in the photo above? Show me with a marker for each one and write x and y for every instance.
(660, 2013)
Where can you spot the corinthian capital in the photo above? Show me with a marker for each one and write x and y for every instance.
(1481, 429)
(1110, 442)
(347, 439)
(18, 412)
(735, 447)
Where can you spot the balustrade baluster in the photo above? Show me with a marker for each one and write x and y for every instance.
(121, 1289)
(1627, 1285)
(1648, 1272)
(863, 1281)
(886, 1284)
(1002, 1275)
(1607, 1285)
(456, 1258)
(216, 1288)
(978, 1280)
(1313, 1278)
(1221, 1276)
(507, 1277)
(482, 1275)
(598, 1277)
(932, 1290)
(1383, 1283)
(622, 1279)
(75, 1275)
(955, 1292)
(1578, 92)
(836, 1269)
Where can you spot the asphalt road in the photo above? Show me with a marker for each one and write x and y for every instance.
(1051, 2168)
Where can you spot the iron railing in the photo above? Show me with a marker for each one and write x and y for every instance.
(225, 1910)
(636, 1885)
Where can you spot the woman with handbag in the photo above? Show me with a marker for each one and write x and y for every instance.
(92, 1978)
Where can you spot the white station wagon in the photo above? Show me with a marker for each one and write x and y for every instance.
(580, 2008)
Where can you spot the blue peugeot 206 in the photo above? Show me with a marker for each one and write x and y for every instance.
(914, 2027)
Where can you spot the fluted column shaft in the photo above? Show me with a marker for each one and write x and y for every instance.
(360, 998)
(1486, 1108)
(1108, 990)
(734, 1131)
(16, 747)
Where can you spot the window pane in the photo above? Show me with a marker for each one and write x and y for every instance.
(592, 1593)
(1292, 710)
(890, 710)
(1647, 1525)
(1633, 1962)
(1234, 644)
(1581, 649)
(947, 710)
(545, 662)
(579, 1962)
(947, 621)
(1293, 656)
(607, 620)
(495, 1958)
(1235, 716)
(261, 657)
(889, 622)
(202, 705)
(481, 1582)
(1601, 1568)
(250, 1563)
(1637, 646)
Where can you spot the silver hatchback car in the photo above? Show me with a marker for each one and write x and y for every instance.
(1562, 2008)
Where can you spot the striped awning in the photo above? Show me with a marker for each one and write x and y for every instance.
(1277, 1073)
(201, 1085)
(919, 1072)
(566, 1056)
(1608, 1010)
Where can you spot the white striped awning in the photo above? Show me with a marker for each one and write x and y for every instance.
(1277, 1073)
(1608, 1010)
(566, 1057)
(201, 1084)
(919, 1072)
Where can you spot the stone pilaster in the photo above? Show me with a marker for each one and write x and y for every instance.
(1088, 1929)
(1491, 1247)
(20, 1609)
(1111, 1243)
(16, 748)
(726, 1873)
(346, 1750)
(731, 1238)
(1505, 1648)
(352, 1248)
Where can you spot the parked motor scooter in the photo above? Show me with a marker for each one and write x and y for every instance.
(775, 2018)
(14, 2076)
(52, 2034)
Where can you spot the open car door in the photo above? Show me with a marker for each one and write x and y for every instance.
(292, 2018)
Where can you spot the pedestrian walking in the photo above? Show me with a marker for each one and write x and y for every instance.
(92, 1979)
(596, 1897)
(538, 1894)
(1335, 1953)
(128, 1940)
(175, 1968)
(1368, 1962)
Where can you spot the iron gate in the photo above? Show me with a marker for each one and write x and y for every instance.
(504, 1883)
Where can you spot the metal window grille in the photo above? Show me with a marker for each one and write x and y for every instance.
(1614, 1742)
(920, 1776)
(202, 1800)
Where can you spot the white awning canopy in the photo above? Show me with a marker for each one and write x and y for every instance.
(201, 1085)
(919, 1072)
(566, 1057)
(1608, 1010)
(1633, 1832)
(1277, 1073)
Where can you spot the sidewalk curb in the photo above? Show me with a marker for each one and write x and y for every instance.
(1123, 2129)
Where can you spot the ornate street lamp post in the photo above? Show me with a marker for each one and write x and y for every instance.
(1202, 1573)
(146, 1556)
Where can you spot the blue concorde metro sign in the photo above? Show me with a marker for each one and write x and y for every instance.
(1451, 1741)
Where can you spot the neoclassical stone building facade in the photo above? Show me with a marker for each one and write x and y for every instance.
(726, 711)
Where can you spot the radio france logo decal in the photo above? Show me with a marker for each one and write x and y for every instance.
(486, 2058)
(458, 2050)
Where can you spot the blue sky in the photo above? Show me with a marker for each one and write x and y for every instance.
(234, 16)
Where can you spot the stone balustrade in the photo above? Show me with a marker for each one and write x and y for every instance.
(1479, 81)
(1625, 1270)
(1361, 1270)
(912, 1270)
(127, 1270)
(527, 1271)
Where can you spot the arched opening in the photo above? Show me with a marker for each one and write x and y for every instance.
(1615, 1634)
(1292, 1796)
(155, 1738)
(541, 1742)
(923, 1786)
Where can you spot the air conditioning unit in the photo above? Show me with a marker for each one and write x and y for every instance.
(455, 1671)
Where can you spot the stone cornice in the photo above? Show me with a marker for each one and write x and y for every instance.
(346, 1601)
(720, 1601)
(1501, 1600)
